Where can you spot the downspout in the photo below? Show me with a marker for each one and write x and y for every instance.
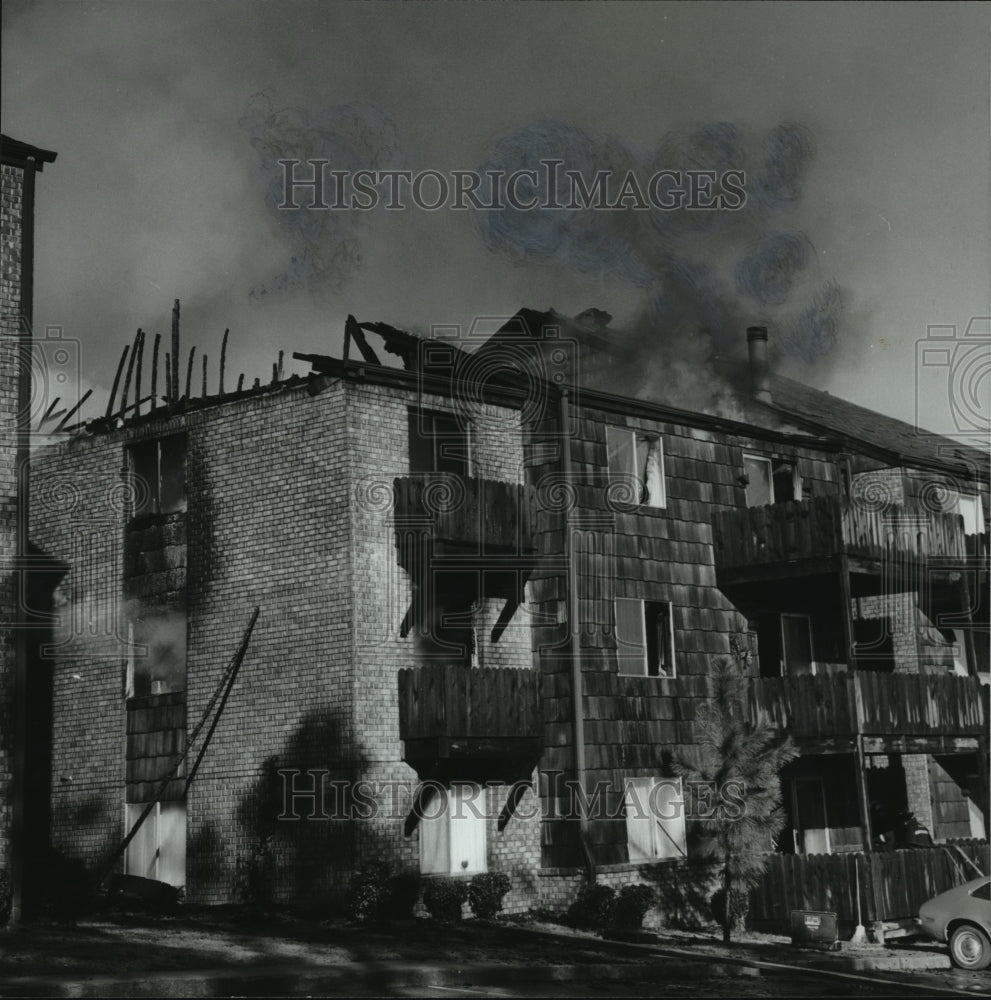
(574, 647)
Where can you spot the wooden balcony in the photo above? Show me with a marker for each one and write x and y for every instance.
(464, 515)
(469, 723)
(804, 536)
(894, 712)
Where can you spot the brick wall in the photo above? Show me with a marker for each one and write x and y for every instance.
(288, 507)
(267, 525)
(378, 452)
(12, 455)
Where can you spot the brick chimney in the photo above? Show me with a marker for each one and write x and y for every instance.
(760, 373)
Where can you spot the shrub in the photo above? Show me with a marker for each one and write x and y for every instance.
(593, 907)
(369, 891)
(404, 891)
(443, 898)
(485, 893)
(632, 905)
(4, 897)
(256, 875)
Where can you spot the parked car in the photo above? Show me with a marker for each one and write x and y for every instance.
(962, 916)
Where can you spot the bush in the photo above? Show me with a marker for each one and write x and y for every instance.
(485, 893)
(70, 888)
(443, 898)
(632, 905)
(369, 891)
(256, 875)
(593, 909)
(740, 908)
(404, 891)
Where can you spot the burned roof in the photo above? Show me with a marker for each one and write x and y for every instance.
(905, 443)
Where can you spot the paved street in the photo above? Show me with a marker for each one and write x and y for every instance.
(213, 955)
(666, 978)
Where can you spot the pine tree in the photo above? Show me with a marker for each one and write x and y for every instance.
(741, 762)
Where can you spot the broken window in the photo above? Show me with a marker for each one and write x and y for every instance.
(655, 819)
(770, 481)
(158, 849)
(874, 644)
(452, 831)
(157, 654)
(438, 443)
(637, 458)
(955, 650)
(447, 617)
(158, 470)
(644, 638)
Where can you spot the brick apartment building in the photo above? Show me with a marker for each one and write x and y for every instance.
(414, 537)
(419, 538)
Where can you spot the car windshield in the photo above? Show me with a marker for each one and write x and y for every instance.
(982, 891)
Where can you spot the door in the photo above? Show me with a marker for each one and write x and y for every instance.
(796, 645)
(812, 829)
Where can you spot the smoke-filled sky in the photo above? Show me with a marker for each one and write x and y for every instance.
(862, 129)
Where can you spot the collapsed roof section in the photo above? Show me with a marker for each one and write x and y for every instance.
(583, 353)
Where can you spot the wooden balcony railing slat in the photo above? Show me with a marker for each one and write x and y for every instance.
(481, 512)
(824, 705)
(459, 702)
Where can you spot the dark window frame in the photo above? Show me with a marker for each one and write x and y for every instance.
(161, 492)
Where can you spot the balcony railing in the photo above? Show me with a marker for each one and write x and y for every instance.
(830, 706)
(476, 723)
(828, 526)
(481, 514)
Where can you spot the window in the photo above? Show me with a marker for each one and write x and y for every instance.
(158, 849)
(770, 481)
(452, 831)
(157, 654)
(158, 468)
(982, 891)
(655, 819)
(644, 638)
(638, 458)
(969, 506)
(438, 443)
(796, 645)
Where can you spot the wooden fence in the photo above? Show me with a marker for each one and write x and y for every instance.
(903, 881)
(827, 526)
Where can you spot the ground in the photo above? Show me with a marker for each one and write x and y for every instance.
(234, 952)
